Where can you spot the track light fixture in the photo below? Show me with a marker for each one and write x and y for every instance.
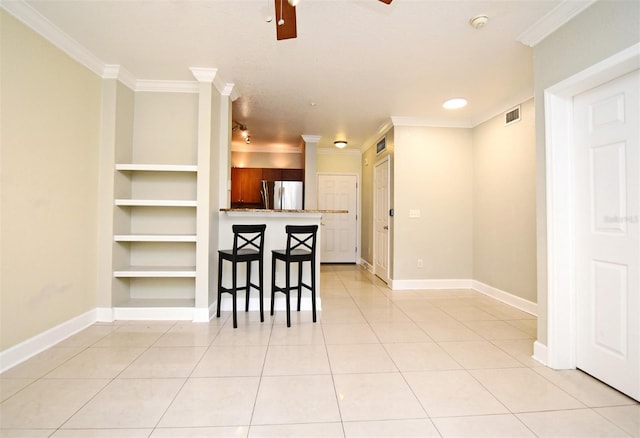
(244, 132)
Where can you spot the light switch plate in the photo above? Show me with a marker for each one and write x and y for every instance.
(414, 213)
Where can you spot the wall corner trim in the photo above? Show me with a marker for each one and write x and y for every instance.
(540, 353)
(40, 342)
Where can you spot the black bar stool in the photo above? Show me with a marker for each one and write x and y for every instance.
(248, 246)
(301, 247)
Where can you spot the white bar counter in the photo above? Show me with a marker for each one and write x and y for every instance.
(275, 238)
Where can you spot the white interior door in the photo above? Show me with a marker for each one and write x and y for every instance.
(381, 220)
(607, 244)
(339, 231)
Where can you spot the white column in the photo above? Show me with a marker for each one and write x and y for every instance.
(310, 172)
(205, 78)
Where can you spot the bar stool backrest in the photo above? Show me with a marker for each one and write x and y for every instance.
(301, 239)
(248, 238)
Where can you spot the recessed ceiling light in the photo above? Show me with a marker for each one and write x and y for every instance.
(455, 103)
(479, 21)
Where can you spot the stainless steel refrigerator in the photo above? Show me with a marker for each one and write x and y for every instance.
(282, 195)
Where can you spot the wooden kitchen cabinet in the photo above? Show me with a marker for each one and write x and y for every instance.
(269, 174)
(292, 174)
(283, 174)
(246, 184)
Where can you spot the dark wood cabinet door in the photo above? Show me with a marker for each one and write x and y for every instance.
(246, 184)
(251, 185)
(236, 192)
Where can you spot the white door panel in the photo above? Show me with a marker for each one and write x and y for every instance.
(339, 230)
(381, 220)
(607, 244)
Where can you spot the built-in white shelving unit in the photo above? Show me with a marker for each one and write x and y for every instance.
(156, 217)
(155, 205)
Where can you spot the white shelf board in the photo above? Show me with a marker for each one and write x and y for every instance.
(158, 167)
(157, 302)
(155, 203)
(155, 237)
(155, 309)
(156, 272)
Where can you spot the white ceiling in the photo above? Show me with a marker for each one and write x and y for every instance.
(360, 61)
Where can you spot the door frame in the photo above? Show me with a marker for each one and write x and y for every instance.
(358, 203)
(387, 277)
(561, 267)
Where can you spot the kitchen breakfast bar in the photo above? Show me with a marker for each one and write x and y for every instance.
(275, 238)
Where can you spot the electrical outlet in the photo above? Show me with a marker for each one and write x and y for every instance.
(420, 263)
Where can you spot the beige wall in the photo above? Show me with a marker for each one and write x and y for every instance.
(504, 204)
(49, 146)
(165, 128)
(433, 174)
(475, 190)
(602, 30)
(338, 161)
(268, 160)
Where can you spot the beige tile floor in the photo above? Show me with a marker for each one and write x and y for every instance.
(377, 364)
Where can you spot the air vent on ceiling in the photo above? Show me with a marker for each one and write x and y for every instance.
(512, 116)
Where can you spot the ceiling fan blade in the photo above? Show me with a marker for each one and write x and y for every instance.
(286, 12)
(386, 1)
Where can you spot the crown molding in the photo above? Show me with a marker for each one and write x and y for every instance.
(203, 74)
(56, 36)
(431, 123)
(311, 138)
(49, 31)
(504, 106)
(382, 130)
(552, 21)
(230, 90)
(114, 71)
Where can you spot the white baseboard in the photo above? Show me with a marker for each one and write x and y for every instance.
(430, 284)
(104, 314)
(23, 351)
(204, 315)
(540, 353)
(366, 265)
(506, 297)
(32, 346)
